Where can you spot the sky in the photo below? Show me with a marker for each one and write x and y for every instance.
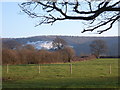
(16, 24)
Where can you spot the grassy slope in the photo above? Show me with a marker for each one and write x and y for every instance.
(86, 74)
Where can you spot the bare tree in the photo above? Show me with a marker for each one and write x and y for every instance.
(96, 13)
(59, 43)
(70, 53)
(98, 47)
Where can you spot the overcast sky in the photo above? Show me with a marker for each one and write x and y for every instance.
(16, 24)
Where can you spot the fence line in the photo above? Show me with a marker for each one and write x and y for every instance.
(70, 69)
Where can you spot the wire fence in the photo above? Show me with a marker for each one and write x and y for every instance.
(58, 68)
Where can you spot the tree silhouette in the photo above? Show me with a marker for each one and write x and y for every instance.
(98, 47)
(97, 13)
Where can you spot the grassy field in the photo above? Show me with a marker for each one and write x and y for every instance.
(85, 74)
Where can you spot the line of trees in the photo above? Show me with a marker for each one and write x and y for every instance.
(29, 55)
(32, 56)
(14, 53)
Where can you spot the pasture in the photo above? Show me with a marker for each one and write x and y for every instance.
(98, 73)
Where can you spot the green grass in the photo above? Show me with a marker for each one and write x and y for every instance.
(85, 74)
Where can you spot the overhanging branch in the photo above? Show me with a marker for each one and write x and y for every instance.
(87, 15)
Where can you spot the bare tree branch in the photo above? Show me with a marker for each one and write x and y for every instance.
(92, 15)
(102, 24)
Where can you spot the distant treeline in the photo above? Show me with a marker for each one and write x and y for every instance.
(29, 55)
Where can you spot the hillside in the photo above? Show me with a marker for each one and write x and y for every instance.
(80, 44)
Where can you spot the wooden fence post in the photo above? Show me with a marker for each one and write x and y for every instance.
(7, 68)
(39, 68)
(110, 69)
(70, 68)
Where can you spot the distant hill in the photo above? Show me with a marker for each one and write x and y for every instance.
(80, 44)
